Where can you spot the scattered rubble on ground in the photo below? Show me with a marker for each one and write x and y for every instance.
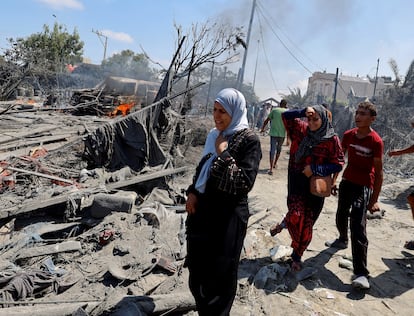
(91, 220)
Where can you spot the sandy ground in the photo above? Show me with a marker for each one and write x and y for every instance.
(329, 291)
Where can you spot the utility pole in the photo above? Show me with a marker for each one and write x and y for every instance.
(376, 80)
(336, 86)
(104, 43)
(241, 73)
(255, 67)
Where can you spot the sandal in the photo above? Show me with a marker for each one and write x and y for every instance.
(409, 245)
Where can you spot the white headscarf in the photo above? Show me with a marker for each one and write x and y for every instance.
(234, 103)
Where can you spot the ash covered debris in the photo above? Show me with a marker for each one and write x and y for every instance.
(94, 215)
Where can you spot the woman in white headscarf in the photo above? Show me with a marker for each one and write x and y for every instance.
(217, 205)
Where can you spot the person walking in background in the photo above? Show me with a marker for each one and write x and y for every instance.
(262, 115)
(217, 205)
(256, 112)
(359, 189)
(251, 115)
(410, 198)
(277, 133)
(315, 150)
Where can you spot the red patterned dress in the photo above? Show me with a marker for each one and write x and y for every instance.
(303, 207)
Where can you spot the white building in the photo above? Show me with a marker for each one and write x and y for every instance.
(321, 87)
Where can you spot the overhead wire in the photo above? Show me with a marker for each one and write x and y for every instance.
(261, 10)
(265, 53)
(341, 87)
(269, 21)
(295, 45)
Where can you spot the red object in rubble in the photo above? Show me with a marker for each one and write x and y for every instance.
(106, 236)
(7, 178)
(38, 152)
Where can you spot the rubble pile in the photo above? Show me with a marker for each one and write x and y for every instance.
(92, 216)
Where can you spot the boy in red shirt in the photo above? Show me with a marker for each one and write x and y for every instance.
(359, 189)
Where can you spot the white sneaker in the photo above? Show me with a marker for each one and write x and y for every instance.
(361, 282)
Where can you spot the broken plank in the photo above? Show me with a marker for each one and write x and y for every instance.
(161, 304)
(33, 205)
(38, 141)
(65, 246)
(43, 175)
(146, 177)
(50, 227)
(255, 218)
(47, 309)
(37, 132)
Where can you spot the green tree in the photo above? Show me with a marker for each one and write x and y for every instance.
(49, 50)
(295, 98)
(11, 75)
(128, 64)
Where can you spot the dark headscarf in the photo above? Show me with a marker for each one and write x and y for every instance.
(311, 139)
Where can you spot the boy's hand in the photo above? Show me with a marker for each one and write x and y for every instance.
(373, 207)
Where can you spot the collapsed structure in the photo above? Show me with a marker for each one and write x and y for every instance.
(113, 95)
(86, 207)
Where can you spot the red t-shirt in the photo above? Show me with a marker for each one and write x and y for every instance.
(361, 154)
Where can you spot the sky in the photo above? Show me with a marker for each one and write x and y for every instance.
(290, 39)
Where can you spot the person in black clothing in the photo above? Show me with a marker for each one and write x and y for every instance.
(217, 207)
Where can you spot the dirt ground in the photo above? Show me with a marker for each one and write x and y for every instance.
(329, 291)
